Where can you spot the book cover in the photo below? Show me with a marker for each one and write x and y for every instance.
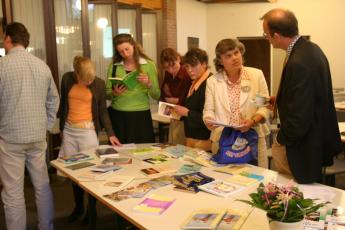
(204, 219)
(104, 168)
(106, 152)
(142, 151)
(80, 165)
(158, 159)
(190, 182)
(167, 110)
(220, 188)
(117, 181)
(188, 168)
(199, 157)
(245, 178)
(93, 176)
(176, 151)
(136, 191)
(154, 204)
(74, 158)
(233, 219)
(129, 80)
(118, 161)
(157, 171)
(233, 169)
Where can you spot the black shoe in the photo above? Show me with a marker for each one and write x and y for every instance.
(76, 214)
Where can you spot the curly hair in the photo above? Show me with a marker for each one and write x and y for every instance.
(224, 46)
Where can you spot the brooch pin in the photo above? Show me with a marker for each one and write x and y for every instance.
(245, 89)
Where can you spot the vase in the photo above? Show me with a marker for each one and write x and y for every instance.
(278, 225)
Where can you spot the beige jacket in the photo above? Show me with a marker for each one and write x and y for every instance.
(217, 105)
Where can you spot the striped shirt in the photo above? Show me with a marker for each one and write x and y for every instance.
(28, 97)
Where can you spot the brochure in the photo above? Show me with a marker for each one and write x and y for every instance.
(129, 80)
(232, 169)
(190, 182)
(93, 176)
(233, 219)
(157, 171)
(158, 159)
(154, 204)
(217, 123)
(204, 219)
(188, 168)
(118, 161)
(117, 182)
(167, 110)
(104, 168)
(220, 188)
(245, 178)
(176, 151)
(80, 165)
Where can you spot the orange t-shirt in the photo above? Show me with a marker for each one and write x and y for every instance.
(80, 103)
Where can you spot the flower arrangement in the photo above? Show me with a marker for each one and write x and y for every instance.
(283, 203)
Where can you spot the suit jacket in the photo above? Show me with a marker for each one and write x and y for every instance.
(217, 105)
(309, 127)
(100, 114)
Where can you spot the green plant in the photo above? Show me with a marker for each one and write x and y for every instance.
(283, 203)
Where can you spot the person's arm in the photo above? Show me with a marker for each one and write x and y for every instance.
(209, 110)
(52, 103)
(108, 84)
(153, 88)
(104, 115)
(300, 104)
(262, 114)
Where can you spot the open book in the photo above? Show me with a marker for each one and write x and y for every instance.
(167, 110)
(129, 80)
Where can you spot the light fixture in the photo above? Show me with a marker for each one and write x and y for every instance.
(102, 23)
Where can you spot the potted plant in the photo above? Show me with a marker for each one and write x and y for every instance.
(285, 206)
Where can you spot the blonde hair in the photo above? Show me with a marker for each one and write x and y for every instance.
(84, 69)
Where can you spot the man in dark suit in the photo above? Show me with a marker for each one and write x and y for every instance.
(308, 123)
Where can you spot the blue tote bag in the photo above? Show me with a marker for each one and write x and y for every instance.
(236, 147)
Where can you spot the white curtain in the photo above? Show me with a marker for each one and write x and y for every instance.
(126, 21)
(150, 35)
(68, 33)
(100, 37)
(30, 13)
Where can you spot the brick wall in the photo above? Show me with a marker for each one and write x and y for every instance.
(169, 37)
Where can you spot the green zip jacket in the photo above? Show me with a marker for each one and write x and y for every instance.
(136, 99)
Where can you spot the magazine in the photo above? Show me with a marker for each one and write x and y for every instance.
(233, 219)
(199, 157)
(129, 80)
(154, 204)
(217, 123)
(116, 182)
(74, 158)
(220, 188)
(176, 151)
(204, 219)
(167, 110)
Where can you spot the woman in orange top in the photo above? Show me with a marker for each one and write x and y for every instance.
(82, 111)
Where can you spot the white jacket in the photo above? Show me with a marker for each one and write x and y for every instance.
(217, 105)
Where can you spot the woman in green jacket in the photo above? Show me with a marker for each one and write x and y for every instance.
(130, 105)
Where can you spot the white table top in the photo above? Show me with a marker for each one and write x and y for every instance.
(186, 203)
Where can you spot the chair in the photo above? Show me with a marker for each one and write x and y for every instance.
(329, 173)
